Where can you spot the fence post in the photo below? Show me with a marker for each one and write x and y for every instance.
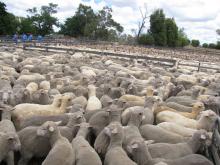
(199, 66)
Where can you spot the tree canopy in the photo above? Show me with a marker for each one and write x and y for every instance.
(87, 23)
(42, 20)
(8, 22)
(158, 27)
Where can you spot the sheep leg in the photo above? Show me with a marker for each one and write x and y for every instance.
(10, 158)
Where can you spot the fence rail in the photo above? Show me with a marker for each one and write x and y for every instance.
(163, 61)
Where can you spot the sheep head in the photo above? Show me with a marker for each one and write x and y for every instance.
(198, 107)
(115, 131)
(12, 140)
(48, 128)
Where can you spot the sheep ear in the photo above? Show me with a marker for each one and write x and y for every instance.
(51, 129)
(58, 122)
(203, 137)
(148, 142)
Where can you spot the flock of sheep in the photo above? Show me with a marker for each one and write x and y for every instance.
(82, 109)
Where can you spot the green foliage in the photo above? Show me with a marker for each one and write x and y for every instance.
(158, 27)
(26, 26)
(172, 32)
(205, 45)
(212, 46)
(42, 20)
(195, 43)
(8, 22)
(146, 39)
(87, 23)
(218, 45)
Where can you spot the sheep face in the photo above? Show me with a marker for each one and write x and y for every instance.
(76, 117)
(199, 106)
(114, 130)
(209, 114)
(13, 141)
(47, 129)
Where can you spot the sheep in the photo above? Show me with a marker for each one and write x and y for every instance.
(205, 121)
(116, 92)
(69, 130)
(35, 146)
(132, 129)
(116, 154)
(179, 107)
(142, 156)
(80, 100)
(39, 120)
(173, 151)
(32, 87)
(9, 142)
(148, 111)
(160, 135)
(98, 121)
(45, 85)
(21, 94)
(7, 127)
(24, 111)
(35, 77)
(41, 97)
(196, 109)
(85, 154)
(177, 129)
(102, 140)
(93, 102)
(185, 100)
(106, 100)
(61, 150)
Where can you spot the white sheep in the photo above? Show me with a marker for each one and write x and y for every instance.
(45, 85)
(24, 111)
(93, 102)
(32, 87)
(205, 121)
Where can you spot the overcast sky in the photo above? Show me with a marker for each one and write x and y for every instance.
(199, 18)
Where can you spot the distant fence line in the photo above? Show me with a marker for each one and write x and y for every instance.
(73, 41)
(162, 61)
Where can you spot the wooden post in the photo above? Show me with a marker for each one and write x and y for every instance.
(199, 66)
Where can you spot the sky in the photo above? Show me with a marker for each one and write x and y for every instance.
(199, 18)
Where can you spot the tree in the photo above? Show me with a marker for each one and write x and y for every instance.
(26, 26)
(195, 43)
(212, 46)
(182, 38)
(141, 24)
(43, 20)
(172, 32)
(158, 27)
(87, 23)
(106, 22)
(8, 22)
(146, 39)
(205, 45)
(83, 23)
(218, 45)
